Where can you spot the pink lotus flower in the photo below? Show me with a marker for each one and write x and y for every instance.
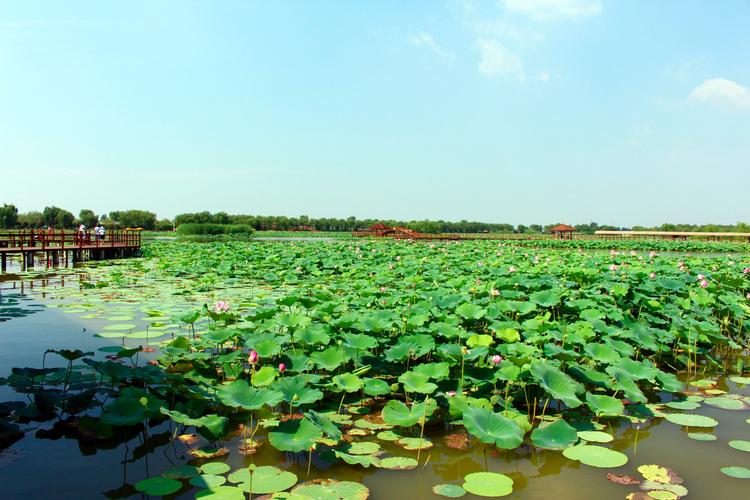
(282, 367)
(221, 307)
(700, 277)
(383, 289)
(512, 269)
(652, 275)
(496, 359)
(704, 283)
(398, 257)
(746, 270)
(253, 357)
(450, 394)
(494, 292)
(652, 254)
(613, 267)
(748, 295)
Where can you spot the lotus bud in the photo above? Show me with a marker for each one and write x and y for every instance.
(282, 367)
(253, 357)
(496, 359)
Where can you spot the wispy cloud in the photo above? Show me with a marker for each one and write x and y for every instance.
(496, 59)
(722, 92)
(551, 10)
(427, 41)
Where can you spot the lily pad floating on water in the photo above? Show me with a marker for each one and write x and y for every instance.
(221, 493)
(410, 443)
(265, 479)
(740, 380)
(596, 456)
(726, 403)
(449, 490)
(208, 481)
(398, 463)
(736, 472)
(595, 436)
(683, 405)
(363, 448)
(702, 436)
(214, 468)
(739, 444)
(121, 327)
(329, 489)
(181, 472)
(158, 486)
(488, 484)
(388, 436)
(691, 420)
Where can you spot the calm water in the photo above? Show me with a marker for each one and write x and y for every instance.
(46, 463)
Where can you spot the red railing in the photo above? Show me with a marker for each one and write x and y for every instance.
(49, 239)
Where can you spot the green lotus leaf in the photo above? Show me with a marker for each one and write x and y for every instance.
(470, 311)
(397, 413)
(413, 443)
(214, 424)
(329, 359)
(362, 448)
(596, 456)
(158, 486)
(296, 392)
(606, 406)
(239, 394)
(221, 493)
(360, 341)
(739, 444)
(207, 481)
(348, 382)
(398, 463)
(595, 436)
(492, 428)
(691, 420)
(488, 484)
(181, 472)
(740, 380)
(736, 472)
(683, 405)
(263, 377)
(436, 371)
(325, 424)
(702, 436)
(556, 383)
(267, 479)
(625, 383)
(214, 468)
(602, 353)
(726, 403)
(417, 382)
(330, 489)
(376, 387)
(295, 435)
(449, 490)
(556, 435)
(545, 298)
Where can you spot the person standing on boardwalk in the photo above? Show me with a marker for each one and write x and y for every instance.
(81, 232)
(102, 231)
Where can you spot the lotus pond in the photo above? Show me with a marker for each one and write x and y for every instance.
(356, 369)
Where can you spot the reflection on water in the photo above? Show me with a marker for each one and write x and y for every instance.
(57, 459)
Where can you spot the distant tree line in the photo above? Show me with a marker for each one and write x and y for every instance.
(60, 218)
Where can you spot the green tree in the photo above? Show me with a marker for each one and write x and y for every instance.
(8, 216)
(57, 217)
(31, 219)
(134, 218)
(88, 217)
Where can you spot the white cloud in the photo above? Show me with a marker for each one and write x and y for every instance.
(497, 59)
(543, 76)
(426, 40)
(547, 10)
(722, 92)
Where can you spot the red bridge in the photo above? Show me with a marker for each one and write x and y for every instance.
(70, 246)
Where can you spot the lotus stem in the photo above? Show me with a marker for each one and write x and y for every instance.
(421, 430)
(309, 461)
(343, 395)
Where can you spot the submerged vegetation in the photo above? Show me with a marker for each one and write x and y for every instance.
(337, 350)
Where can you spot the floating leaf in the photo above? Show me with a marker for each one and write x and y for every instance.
(330, 489)
(596, 456)
(691, 420)
(702, 436)
(736, 472)
(295, 436)
(158, 486)
(398, 463)
(739, 444)
(595, 436)
(449, 490)
(214, 468)
(488, 484)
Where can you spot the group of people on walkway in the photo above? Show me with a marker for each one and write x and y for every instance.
(99, 232)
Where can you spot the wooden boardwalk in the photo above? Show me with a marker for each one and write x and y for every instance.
(66, 246)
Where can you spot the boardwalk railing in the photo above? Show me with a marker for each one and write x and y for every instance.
(48, 239)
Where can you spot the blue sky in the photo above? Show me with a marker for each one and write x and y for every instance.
(520, 111)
